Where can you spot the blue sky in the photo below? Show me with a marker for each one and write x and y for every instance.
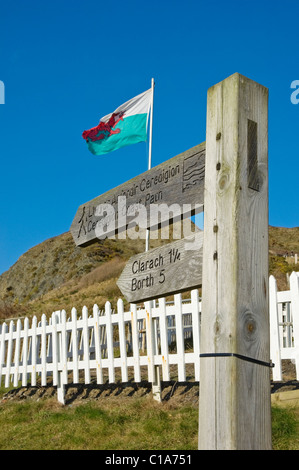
(67, 63)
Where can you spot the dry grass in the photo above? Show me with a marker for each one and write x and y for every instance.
(8, 310)
(109, 270)
(55, 274)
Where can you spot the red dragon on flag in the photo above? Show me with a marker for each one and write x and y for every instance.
(104, 129)
(127, 125)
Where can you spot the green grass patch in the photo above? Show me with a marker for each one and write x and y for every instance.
(132, 424)
(285, 428)
(127, 424)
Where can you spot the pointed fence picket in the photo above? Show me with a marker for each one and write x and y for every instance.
(284, 325)
(109, 346)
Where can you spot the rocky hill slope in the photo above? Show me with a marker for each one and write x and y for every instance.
(56, 274)
(283, 245)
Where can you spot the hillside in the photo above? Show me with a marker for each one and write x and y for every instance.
(56, 274)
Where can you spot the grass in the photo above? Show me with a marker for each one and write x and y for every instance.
(113, 424)
(285, 428)
(136, 424)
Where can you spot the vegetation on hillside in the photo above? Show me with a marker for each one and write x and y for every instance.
(57, 274)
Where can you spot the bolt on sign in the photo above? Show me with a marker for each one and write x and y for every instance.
(166, 193)
(165, 270)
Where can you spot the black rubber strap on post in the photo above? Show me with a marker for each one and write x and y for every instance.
(239, 356)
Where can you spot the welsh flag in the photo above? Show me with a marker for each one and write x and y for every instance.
(125, 126)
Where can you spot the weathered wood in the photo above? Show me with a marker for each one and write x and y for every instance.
(172, 268)
(176, 182)
(252, 162)
(234, 409)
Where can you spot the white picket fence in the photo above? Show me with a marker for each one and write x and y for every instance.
(284, 325)
(120, 346)
(104, 343)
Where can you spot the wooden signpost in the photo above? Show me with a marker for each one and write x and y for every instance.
(163, 271)
(179, 180)
(229, 174)
(235, 401)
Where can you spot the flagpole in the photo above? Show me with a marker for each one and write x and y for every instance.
(156, 378)
(151, 128)
(150, 154)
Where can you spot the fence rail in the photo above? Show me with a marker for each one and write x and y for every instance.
(118, 345)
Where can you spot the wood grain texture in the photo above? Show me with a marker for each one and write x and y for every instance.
(235, 395)
(162, 271)
(179, 181)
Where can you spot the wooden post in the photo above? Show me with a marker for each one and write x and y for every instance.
(234, 404)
